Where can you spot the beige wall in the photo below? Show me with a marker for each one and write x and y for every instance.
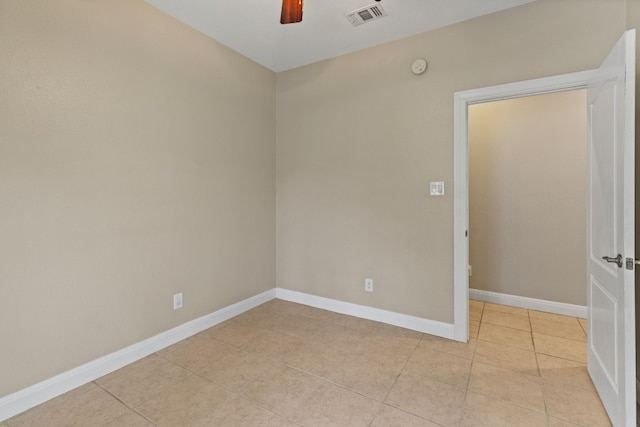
(137, 160)
(360, 137)
(527, 197)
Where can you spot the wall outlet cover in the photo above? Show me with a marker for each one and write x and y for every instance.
(177, 301)
(368, 285)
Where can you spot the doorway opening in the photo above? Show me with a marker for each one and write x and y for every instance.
(527, 202)
(462, 102)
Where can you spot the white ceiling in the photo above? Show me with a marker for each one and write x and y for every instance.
(252, 27)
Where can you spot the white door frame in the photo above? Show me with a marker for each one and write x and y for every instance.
(462, 100)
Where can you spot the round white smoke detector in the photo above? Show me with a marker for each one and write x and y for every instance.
(419, 66)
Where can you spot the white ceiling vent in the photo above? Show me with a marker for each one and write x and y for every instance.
(365, 14)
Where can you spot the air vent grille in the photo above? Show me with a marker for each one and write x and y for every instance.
(365, 14)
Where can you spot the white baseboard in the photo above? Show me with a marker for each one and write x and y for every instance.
(36, 394)
(427, 326)
(530, 303)
(41, 392)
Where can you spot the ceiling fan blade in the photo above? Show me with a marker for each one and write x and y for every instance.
(291, 11)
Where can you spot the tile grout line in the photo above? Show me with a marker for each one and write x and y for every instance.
(124, 403)
(544, 394)
(535, 352)
(263, 406)
(473, 361)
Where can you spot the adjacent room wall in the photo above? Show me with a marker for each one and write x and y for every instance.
(137, 160)
(360, 137)
(527, 197)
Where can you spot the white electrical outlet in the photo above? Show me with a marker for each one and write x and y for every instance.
(368, 285)
(177, 301)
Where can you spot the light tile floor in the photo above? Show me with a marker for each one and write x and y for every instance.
(285, 364)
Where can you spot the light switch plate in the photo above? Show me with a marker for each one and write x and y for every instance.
(436, 188)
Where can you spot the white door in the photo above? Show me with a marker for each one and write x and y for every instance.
(610, 238)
